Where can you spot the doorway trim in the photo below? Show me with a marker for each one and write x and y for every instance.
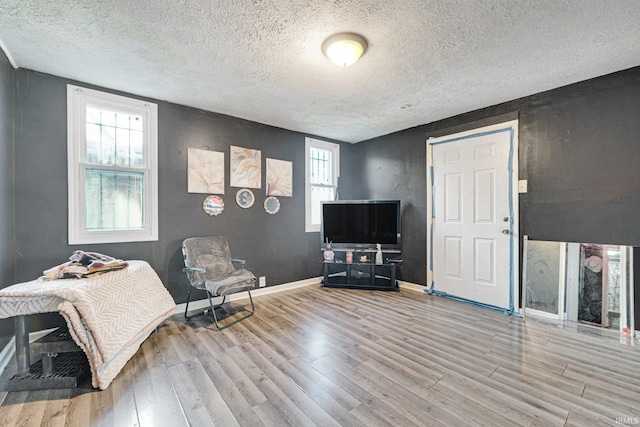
(514, 241)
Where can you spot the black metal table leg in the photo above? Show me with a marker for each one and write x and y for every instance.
(22, 346)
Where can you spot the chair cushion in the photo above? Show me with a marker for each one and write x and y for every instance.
(211, 253)
(237, 281)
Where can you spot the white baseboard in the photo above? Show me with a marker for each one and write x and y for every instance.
(10, 349)
(204, 303)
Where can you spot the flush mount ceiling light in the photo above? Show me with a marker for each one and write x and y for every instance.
(344, 49)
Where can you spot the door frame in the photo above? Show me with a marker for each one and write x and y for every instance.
(514, 229)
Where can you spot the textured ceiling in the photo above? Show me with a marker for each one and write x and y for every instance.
(261, 60)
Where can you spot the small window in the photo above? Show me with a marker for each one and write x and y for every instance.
(321, 178)
(112, 146)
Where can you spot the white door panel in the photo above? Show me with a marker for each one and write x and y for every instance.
(453, 257)
(471, 193)
(453, 198)
(484, 262)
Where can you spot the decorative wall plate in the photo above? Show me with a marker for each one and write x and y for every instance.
(213, 205)
(272, 205)
(245, 198)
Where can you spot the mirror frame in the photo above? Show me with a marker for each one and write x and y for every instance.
(270, 210)
(245, 198)
(213, 205)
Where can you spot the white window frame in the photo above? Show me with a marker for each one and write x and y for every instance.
(77, 100)
(335, 151)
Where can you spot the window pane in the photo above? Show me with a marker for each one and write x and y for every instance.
(93, 115)
(107, 145)
(136, 122)
(115, 200)
(108, 118)
(320, 166)
(319, 194)
(123, 120)
(114, 138)
(122, 147)
(136, 155)
(93, 143)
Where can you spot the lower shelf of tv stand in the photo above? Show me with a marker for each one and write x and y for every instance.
(366, 276)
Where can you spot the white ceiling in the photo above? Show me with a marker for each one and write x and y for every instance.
(261, 59)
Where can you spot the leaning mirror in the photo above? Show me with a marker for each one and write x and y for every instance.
(213, 205)
(271, 205)
(544, 278)
(583, 282)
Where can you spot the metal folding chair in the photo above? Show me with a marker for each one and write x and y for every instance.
(209, 267)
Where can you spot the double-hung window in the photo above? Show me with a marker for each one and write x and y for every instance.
(321, 178)
(112, 148)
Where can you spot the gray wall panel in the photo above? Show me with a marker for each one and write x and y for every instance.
(275, 246)
(6, 185)
(394, 167)
(578, 149)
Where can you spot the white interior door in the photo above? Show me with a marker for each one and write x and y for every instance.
(474, 217)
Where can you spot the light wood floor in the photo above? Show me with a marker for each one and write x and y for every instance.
(314, 356)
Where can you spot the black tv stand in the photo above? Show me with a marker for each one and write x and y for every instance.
(360, 275)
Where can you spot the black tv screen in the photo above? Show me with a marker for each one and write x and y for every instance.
(361, 224)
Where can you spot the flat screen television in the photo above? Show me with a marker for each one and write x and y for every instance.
(359, 225)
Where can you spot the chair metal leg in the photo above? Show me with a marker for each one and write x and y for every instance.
(186, 309)
(213, 309)
(215, 318)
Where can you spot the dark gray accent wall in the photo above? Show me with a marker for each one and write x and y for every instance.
(636, 286)
(393, 167)
(579, 148)
(275, 246)
(6, 185)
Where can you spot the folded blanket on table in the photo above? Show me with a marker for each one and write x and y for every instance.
(84, 264)
(108, 315)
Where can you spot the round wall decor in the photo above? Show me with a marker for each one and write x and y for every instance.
(245, 198)
(272, 205)
(213, 205)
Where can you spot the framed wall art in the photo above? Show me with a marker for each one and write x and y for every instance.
(205, 171)
(279, 178)
(245, 168)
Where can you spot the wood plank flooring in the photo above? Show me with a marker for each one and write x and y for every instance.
(332, 357)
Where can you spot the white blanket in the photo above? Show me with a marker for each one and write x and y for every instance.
(109, 316)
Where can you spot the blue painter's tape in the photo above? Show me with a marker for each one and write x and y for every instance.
(475, 135)
(431, 248)
(433, 215)
(511, 214)
(511, 309)
(472, 302)
(433, 199)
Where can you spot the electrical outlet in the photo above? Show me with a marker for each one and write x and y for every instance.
(522, 186)
(262, 281)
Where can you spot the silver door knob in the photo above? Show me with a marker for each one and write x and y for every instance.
(505, 231)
